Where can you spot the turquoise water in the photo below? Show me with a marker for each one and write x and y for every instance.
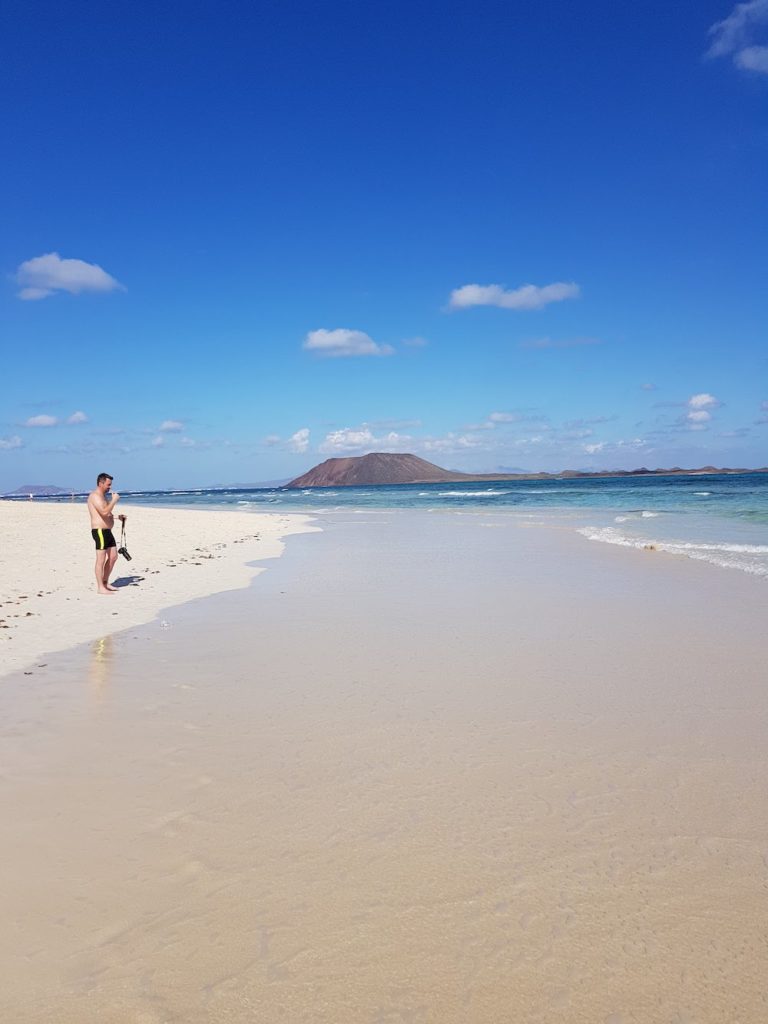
(711, 517)
(744, 496)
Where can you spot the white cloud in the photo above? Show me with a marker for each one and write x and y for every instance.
(344, 342)
(77, 417)
(299, 442)
(700, 408)
(362, 439)
(450, 443)
(703, 401)
(171, 427)
(735, 36)
(359, 440)
(504, 418)
(163, 441)
(528, 296)
(606, 447)
(9, 443)
(44, 275)
(524, 442)
(753, 58)
(41, 421)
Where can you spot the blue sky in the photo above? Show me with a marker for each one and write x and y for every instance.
(243, 239)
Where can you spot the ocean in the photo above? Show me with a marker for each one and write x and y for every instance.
(716, 518)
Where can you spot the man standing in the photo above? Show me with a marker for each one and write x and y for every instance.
(102, 521)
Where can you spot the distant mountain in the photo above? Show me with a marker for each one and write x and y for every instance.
(376, 468)
(393, 468)
(38, 490)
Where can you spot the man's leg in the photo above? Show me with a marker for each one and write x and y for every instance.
(101, 562)
(109, 565)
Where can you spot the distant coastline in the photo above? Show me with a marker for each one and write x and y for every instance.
(571, 474)
(389, 468)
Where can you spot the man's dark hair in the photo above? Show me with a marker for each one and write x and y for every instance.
(104, 476)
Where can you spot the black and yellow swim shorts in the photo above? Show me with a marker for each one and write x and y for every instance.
(104, 539)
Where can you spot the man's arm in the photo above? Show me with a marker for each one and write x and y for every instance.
(107, 506)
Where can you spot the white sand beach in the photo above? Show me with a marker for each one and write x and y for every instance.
(48, 598)
(434, 769)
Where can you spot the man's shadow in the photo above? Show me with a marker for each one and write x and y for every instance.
(127, 581)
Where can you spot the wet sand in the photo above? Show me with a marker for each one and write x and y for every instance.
(427, 769)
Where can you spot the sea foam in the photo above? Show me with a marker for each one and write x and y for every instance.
(751, 558)
(471, 494)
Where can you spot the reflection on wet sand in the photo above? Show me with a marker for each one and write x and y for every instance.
(100, 667)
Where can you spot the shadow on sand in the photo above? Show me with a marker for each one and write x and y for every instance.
(127, 581)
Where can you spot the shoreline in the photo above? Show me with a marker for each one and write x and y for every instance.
(181, 554)
(48, 599)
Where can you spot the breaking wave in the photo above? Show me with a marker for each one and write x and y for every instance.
(471, 494)
(751, 558)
